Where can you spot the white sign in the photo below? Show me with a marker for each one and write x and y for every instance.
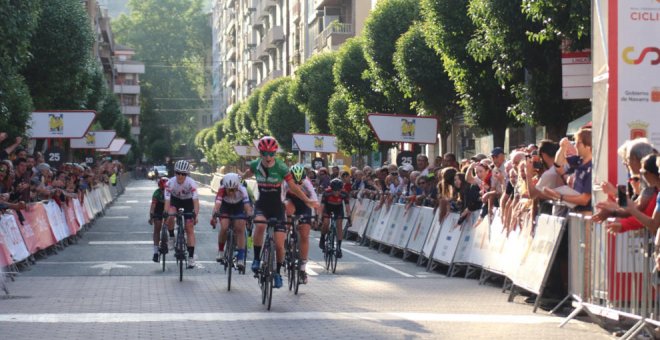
(94, 140)
(123, 151)
(634, 92)
(115, 146)
(60, 124)
(315, 143)
(404, 128)
(246, 150)
(256, 145)
(576, 75)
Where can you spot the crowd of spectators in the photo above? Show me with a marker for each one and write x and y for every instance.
(26, 178)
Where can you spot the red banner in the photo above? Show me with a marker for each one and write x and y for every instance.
(35, 229)
(5, 256)
(71, 220)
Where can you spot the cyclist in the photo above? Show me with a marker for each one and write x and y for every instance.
(156, 215)
(331, 202)
(295, 205)
(181, 192)
(232, 200)
(270, 172)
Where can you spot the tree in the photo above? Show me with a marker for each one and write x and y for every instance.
(567, 20)
(223, 153)
(264, 96)
(110, 111)
(347, 121)
(386, 23)
(175, 55)
(448, 29)
(18, 21)
(423, 79)
(285, 117)
(58, 73)
(312, 88)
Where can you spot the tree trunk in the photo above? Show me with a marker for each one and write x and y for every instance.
(498, 136)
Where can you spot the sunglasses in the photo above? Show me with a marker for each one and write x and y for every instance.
(181, 174)
(268, 154)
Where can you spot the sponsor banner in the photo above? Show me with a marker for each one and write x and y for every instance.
(36, 229)
(123, 151)
(373, 219)
(634, 91)
(393, 224)
(246, 150)
(404, 128)
(13, 248)
(495, 261)
(94, 140)
(378, 230)
(89, 215)
(57, 220)
(450, 236)
(115, 145)
(408, 221)
(60, 124)
(420, 230)
(315, 143)
(360, 215)
(71, 221)
(432, 236)
(462, 255)
(479, 249)
(535, 264)
(80, 214)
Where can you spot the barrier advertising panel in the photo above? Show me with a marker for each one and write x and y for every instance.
(420, 230)
(57, 221)
(465, 243)
(394, 224)
(407, 224)
(373, 220)
(379, 228)
(361, 212)
(80, 214)
(71, 221)
(12, 239)
(450, 235)
(432, 236)
(479, 249)
(36, 229)
(495, 260)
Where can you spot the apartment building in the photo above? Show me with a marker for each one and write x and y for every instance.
(255, 41)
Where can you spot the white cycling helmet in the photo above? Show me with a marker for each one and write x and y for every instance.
(231, 181)
(182, 166)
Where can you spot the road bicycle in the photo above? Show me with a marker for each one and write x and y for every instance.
(266, 272)
(292, 256)
(230, 261)
(330, 250)
(162, 245)
(180, 247)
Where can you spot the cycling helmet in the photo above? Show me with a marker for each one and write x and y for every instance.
(268, 144)
(162, 181)
(231, 181)
(298, 172)
(336, 184)
(182, 166)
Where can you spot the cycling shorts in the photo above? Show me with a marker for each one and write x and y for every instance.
(187, 205)
(338, 210)
(272, 211)
(236, 210)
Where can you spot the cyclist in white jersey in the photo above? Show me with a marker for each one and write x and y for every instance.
(181, 192)
(232, 200)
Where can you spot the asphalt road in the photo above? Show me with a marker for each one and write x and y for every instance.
(106, 286)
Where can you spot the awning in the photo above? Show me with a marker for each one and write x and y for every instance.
(575, 125)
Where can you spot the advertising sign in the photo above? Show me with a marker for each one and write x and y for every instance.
(94, 140)
(60, 124)
(576, 75)
(246, 150)
(404, 128)
(315, 143)
(115, 146)
(634, 92)
(123, 151)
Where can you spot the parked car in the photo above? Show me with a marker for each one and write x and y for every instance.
(157, 172)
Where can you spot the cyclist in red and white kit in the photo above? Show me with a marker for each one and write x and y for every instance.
(232, 200)
(181, 192)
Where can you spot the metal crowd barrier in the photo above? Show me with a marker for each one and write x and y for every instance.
(611, 275)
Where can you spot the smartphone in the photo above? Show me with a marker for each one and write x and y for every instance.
(622, 194)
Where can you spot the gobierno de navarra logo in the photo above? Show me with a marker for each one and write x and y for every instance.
(648, 53)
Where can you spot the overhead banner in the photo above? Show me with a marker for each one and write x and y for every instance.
(123, 151)
(404, 128)
(94, 140)
(246, 150)
(60, 124)
(115, 146)
(315, 143)
(634, 97)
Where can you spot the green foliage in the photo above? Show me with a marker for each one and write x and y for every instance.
(568, 20)
(246, 117)
(222, 153)
(448, 29)
(229, 129)
(312, 89)
(285, 117)
(110, 112)
(15, 105)
(97, 88)
(386, 23)
(172, 38)
(348, 121)
(57, 74)
(266, 92)
(200, 139)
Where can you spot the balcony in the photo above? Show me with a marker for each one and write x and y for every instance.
(231, 53)
(296, 58)
(126, 89)
(130, 109)
(274, 35)
(319, 4)
(128, 67)
(231, 24)
(231, 81)
(334, 35)
(295, 15)
(272, 75)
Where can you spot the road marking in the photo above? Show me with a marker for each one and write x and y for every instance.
(117, 262)
(120, 207)
(96, 243)
(208, 317)
(107, 266)
(130, 201)
(404, 274)
(116, 217)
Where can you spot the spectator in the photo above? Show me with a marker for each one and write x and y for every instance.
(323, 178)
(4, 154)
(335, 172)
(650, 174)
(447, 193)
(423, 164)
(449, 160)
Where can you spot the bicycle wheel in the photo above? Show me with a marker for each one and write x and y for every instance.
(229, 257)
(290, 261)
(297, 264)
(181, 244)
(330, 249)
(271, 265)
(265, 272)
(180, 270)
(163, 245)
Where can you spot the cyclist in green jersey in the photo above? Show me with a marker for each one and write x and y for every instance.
(270, 172)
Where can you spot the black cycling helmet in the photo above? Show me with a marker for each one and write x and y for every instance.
(336, 184)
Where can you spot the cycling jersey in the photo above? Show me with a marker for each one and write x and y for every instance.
(269, 181)
(186, 190)
(307, 188)
(159, 198)
(238, 196)
(333, 203)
